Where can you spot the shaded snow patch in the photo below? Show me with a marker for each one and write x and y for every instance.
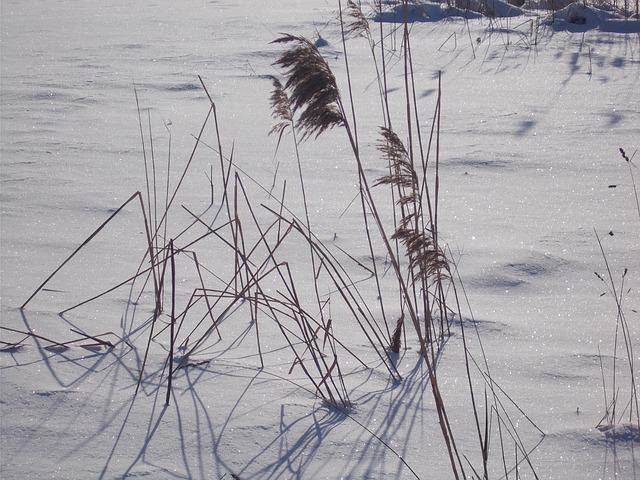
(625, 432)
(577, 17)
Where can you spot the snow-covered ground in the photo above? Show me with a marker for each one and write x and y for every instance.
(534, 111)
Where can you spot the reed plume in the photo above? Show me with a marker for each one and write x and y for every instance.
(280, 111)
(359, 25)
(401, 172)
(312, 87)
(396, 341)
(280, 108)
(425, 258)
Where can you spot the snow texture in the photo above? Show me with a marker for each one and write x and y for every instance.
(535, 107)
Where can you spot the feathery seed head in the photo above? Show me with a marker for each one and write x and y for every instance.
(312, 87)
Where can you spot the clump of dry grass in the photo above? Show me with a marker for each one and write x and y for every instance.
(617, 408)
(423, 269)
(262, 280)
(621, 404)
(301, 80)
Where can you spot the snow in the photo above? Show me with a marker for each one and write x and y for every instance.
(534, 110)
